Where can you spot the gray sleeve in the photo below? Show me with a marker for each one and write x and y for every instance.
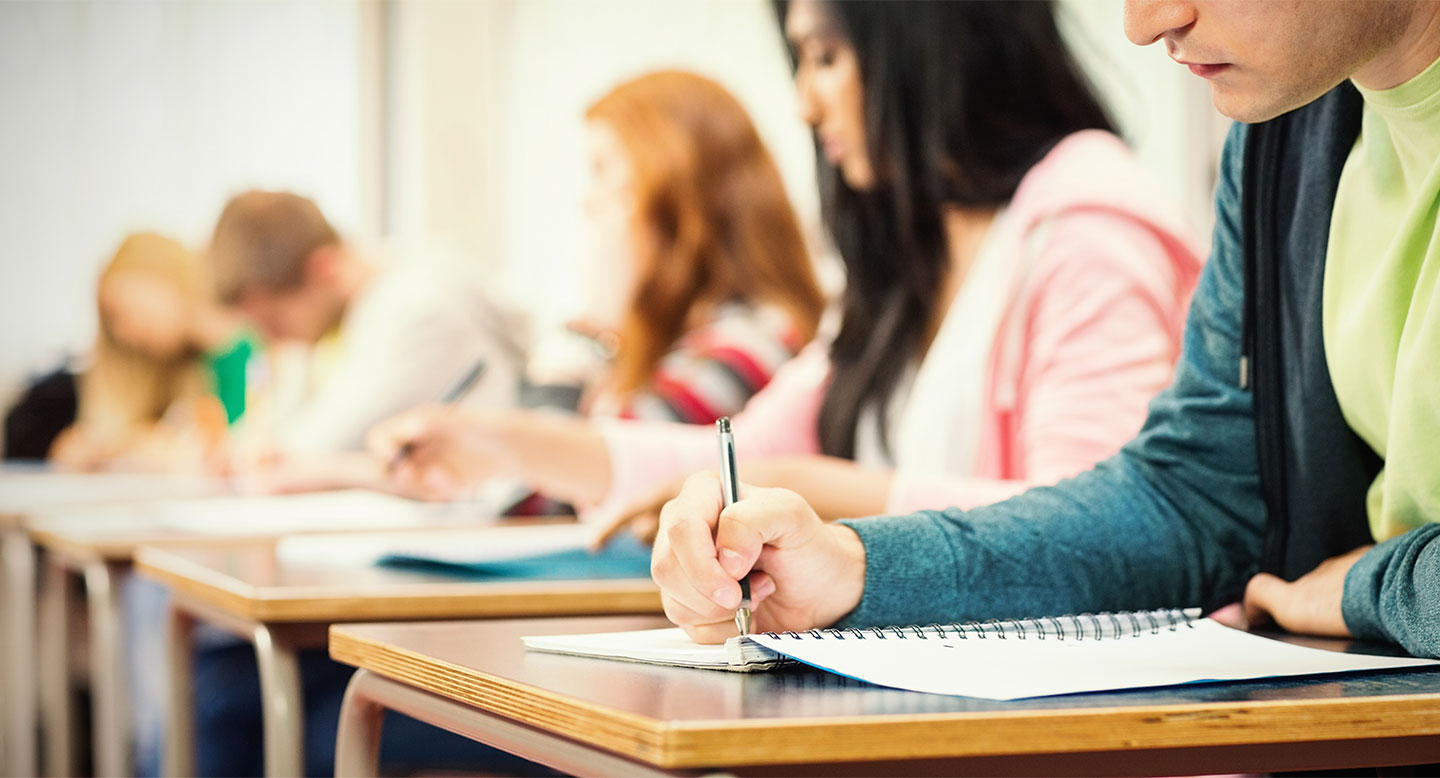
(1393, 592)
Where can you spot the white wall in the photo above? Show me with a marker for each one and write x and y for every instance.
(489, 153)
(147, 115)
(450, 125)
(1163, 110)
(504, 87)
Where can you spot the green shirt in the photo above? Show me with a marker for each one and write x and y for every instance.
(227, 367)
(1382, 299)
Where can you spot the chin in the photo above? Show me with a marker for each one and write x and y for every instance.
(1252, 106)
(1242, 106)
(858, 177)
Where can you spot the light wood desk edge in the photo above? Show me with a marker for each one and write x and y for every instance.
(409, 601)
(926, 736)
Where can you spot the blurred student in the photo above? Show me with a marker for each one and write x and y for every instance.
(381, 339)
(168, 370)
(1014, 298)
(703, 283)
(704, 286)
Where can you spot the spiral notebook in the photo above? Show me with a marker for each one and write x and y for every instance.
(1002, 660)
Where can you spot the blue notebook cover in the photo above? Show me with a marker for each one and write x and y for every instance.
(624, 557)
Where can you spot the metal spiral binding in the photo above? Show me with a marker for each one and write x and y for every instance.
(1085, 626)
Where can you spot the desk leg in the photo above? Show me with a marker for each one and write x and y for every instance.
(57, 708)
(357, 740)
(19, 625)
(180, 740)
(368, 695)
(280, 698)
(111, 734)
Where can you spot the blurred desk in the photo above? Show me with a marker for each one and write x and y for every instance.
(29, 493)
(96, 544)
(602, 717)
(283, 606)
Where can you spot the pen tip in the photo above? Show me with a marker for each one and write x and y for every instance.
(723, 423)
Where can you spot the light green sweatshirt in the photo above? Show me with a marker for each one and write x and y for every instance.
(1382, 299)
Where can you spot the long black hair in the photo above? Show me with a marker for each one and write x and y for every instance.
(960, 100)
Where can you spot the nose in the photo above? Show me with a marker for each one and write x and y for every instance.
(806, 105)
(1147, 21)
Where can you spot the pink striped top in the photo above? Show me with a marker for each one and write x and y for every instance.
(713, 370)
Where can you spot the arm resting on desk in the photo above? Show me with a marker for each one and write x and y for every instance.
(1393, 592)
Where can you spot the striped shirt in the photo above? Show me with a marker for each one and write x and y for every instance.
(712, 371)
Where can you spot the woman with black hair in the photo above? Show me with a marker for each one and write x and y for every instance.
(1014, 296)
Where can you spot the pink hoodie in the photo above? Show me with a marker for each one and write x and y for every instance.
(1091, 334)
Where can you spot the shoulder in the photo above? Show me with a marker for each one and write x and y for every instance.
(763, 330)
(749, 343)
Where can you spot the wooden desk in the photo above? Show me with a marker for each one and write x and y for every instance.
(601, 717)
(97, 546)
(282, 607)
(17, 647)
(27, 493)
(99, 554)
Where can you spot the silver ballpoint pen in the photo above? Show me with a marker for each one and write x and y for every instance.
(730, 489)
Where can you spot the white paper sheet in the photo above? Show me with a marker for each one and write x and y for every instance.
(1013, 668)
(25, 492)
(658, 646)
(482, 544)
(351, 509)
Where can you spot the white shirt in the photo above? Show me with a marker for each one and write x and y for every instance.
(406, 338)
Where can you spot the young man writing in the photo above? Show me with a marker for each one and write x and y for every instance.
(383, 339)
(1304, 415)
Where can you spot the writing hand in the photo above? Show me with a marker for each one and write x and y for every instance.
(803, 573)
(438, 452)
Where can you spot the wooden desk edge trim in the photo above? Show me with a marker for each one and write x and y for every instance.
(872, 738)
(398, 603)
(636, 734)
(187, 578)
(294, 604)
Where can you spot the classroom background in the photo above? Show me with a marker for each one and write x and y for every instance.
(449, 129)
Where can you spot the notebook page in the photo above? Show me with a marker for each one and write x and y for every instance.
(30, 491)
(480, 544)
(658, 646)
(276, 514)
(1013, 668)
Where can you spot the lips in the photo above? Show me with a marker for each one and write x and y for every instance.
(1207, 71)
(1202, 69)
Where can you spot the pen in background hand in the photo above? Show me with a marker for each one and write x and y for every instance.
(459, 390)
(730, 489)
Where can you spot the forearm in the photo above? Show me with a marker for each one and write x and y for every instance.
(1106, 540)
(835, 488)
(561, 456)
(1393, 592)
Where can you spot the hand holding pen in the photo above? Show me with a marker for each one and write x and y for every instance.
(458, 391)
(730, 493)
(437, 451)
(802, 572)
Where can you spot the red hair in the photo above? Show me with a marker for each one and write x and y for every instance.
(712, 220)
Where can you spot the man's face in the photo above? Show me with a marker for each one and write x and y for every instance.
(302, 313)
(1266, 57)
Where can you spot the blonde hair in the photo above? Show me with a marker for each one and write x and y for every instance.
(125, 389)
(263, 239)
